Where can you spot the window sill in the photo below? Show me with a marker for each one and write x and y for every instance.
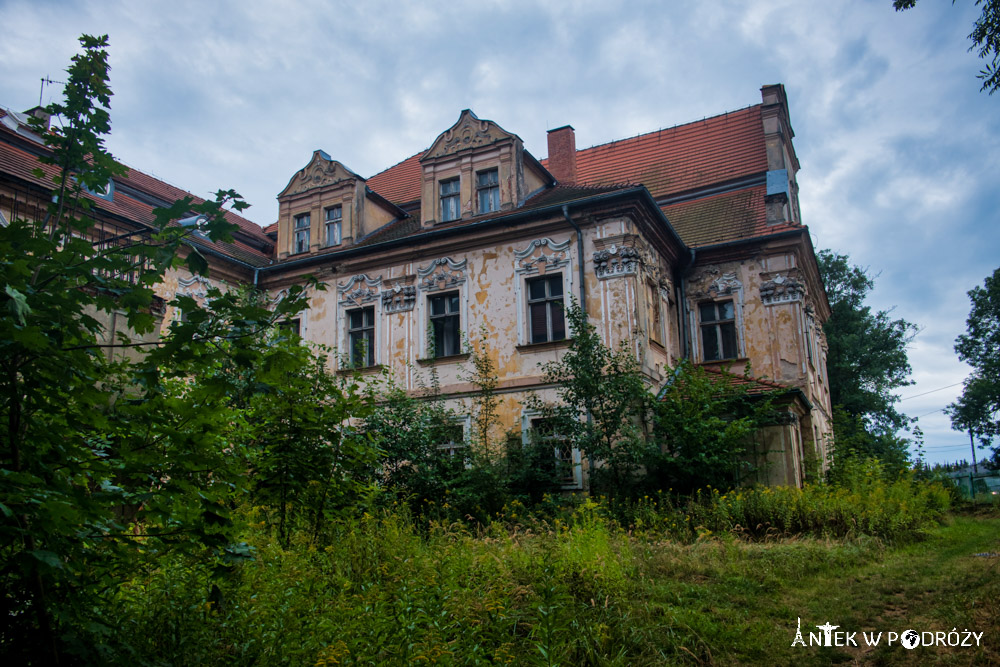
(451, 358)
(362, 370)
(541, 347)
(722, 363)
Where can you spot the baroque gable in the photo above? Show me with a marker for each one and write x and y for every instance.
(468, 132)
(321, 171)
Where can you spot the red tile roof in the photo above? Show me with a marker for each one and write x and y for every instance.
(21, 163)
(400, 183)
(724, 217)
(681, 158)
(754, 386)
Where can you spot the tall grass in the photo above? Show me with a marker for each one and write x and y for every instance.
(569, 587)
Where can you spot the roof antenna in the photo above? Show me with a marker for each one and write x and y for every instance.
(41, 88)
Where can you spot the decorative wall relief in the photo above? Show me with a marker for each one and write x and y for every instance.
(399, 298)
(359, 290)
(541, 256)
(712, 284)
(195, 286)
(617, 261)
(441, 274)
(781, 289)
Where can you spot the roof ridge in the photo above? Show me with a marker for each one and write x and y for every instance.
(665, 129)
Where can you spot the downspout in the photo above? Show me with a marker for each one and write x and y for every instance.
(682, 321)
(579, 252)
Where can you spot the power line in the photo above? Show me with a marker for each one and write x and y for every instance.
(930, 392)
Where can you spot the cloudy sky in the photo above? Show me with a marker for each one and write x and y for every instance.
(899, 149)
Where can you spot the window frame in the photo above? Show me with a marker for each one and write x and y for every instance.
(334, 223)
(452, 197)
(491, 190)
(460, 447)
(548, 300)
(301, 231)
(452, 315)
(718, 326)
(561, 446)
(352, 331)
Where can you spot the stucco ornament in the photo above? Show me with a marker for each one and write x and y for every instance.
(617, 261)
(541, 253)
(399, 298)
(441, 274)
(359, 289)
(195, 286)
(468, 132)
(320, 172)
(781, 289)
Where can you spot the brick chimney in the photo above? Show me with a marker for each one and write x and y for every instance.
(562, 154)
(41, 114)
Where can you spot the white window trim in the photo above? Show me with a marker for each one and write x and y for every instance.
(726, 288)
(360, 291)
(527, 416)
(466, 422)
(428, 284)
(302, 315)
(556, 257)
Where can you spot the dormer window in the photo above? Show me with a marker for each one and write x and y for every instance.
(450, 209)
(488, 190)
(334, 216)
(302, 223)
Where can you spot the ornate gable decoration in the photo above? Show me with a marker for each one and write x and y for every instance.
(781, 289)
(359, 290)
(468, 132)
(320, 172)
(441, 274)
(541, 256)
(400, 297)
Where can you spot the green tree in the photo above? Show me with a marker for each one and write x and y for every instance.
(985, 37)
(866, 362)
(602, 407)
(978, 408)
(704, 428)
(103, 462)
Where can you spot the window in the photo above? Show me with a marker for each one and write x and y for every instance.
(445, 324)
(449, 200)
(488, 190)
(293, 326)
(718, 330)
(361, 336)
(545, 309)
(545, 431)
(302, 223)
(655, 313)
(453, 440)
(334, 216)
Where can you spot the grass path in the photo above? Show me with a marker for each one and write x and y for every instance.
(755, 593)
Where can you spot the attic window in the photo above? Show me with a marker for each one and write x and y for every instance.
(106, 192)
(488, 190)
(334, 216)
(449, 199)
(302, 223)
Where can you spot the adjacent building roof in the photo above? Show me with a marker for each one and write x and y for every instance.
(135, 195)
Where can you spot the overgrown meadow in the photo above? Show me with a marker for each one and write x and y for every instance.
(567, 584)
